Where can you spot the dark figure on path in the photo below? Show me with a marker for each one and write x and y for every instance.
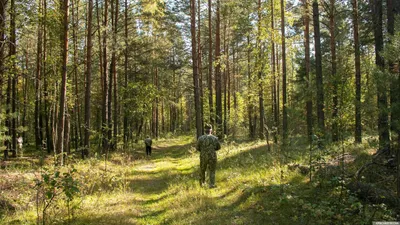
(148, 143)
(207, 145)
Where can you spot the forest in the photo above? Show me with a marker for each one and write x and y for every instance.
(303, 95)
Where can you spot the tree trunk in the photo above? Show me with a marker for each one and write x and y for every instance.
(195, 69)
(47, 108)
(115, 133)
(274, 59)
(37, 114)
(394, 7)
(260, 77)
(210, 62)
(309, 104)
(77, 110)
(200, 65)
(2, 39)
(383, 126)
(332, 27)
(63, 86)
(218, 82)
(105, 117)
(126, 131)
(89, 46)
(25, 93)
(156, 116)
(13, 56)
(225, 76)
(284, 94)
(358, 128)
(67, 142)
(249, 81)
(318, 63)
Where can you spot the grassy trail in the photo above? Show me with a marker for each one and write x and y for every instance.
(164, 189)
(254, 186)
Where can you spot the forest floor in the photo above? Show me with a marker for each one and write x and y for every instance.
(254, 186)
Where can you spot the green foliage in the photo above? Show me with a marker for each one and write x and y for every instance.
(54, 185)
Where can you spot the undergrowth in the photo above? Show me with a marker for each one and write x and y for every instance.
(254, 186)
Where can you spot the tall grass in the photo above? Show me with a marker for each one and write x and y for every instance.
(255, 186)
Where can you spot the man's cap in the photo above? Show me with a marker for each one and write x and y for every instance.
(208, 127)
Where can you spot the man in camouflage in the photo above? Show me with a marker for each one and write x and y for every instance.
(208, 144)
(148, 143)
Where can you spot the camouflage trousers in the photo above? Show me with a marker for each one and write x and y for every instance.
(208, 161)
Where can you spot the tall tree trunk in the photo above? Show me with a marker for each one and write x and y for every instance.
(38, 80)
(2, 39)
(318, 63)
(25, 93)
(126, 131)
(156, 116)
(114, 58)
(200, 65)
(383, 126)
(13, 72)
(249, 81)
(284, 94)
(47, 108)
(225, 76)
(332, 27)
(195, 69)
(105, 81)
(260, 77)
(358, 128)
(210, 65)
(63, 86)
(228, 81)
(309, 104)
(274, 59)
(394, 11)
(3, 4)
(89, 46)
(218, 82)
(77, 110)
(8, 119)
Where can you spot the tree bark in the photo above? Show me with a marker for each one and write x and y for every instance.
(274, 62)
(2, 39)
(105, 117)
(195, 69)
(249, 80)
(383, 126)
(77, 105)
(63, 86)
(218, 82)
(200, 67)
(358, 128)
(14, 76)
(318, 63)
(115, 78)
(394, 7)
(284, 94)
(210, 65)
(37, 114)
(260, 77)
(47, 108)
(309, 104)
(126, 131)
(89, 46)
(332, 27)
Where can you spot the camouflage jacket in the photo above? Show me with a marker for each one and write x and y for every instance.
(147, 142)
(208, 144)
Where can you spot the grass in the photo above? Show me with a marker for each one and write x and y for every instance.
(255, 186)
